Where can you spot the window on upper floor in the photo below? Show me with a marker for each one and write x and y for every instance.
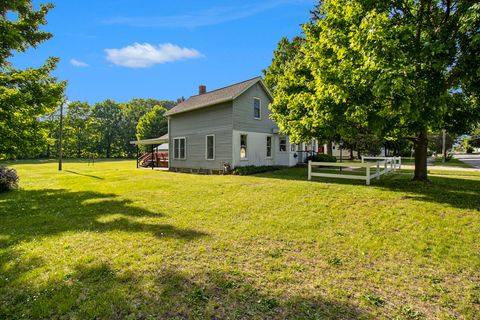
(257, 106)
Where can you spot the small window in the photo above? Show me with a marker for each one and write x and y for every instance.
(293, 147)
(256, 108)
(283, 144)
(269, 147)
(179, 148)
(210, 147)
(243, 146)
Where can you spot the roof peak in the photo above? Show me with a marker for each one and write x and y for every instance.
(230, 85)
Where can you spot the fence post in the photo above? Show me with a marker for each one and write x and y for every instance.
(368, 176)
(309, 169)
(363, 160)
(399, 163)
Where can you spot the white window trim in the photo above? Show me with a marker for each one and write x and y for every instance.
(185, 153)
(286, 144)
(293, 147)
(260, 104)
(206, 147)
(240, 149)
(271, 147)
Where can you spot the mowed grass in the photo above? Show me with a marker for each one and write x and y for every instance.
(111, 241)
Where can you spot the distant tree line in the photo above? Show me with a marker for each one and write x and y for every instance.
(105, 129)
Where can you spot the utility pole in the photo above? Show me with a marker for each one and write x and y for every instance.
(60, 154)
(444, 150)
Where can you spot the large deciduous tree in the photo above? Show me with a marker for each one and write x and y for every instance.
(25, 95)
(399, 68)
(133, 111)
(153, 124)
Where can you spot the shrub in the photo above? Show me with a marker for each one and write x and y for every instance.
(322, 157)
(8, 179)
(469, 149)
(248, 170)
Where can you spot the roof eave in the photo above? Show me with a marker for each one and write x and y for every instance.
(170, 113)
(261, 83)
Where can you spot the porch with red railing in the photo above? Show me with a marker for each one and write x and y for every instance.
(156, 155)
(155, 160)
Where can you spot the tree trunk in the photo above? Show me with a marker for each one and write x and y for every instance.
(421, 145)
(351, 153)
(330, 148)
(108, 147)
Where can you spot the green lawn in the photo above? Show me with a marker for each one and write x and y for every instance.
(111, 241)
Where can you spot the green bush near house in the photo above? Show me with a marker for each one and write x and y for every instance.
(248, 170)
(322, 157)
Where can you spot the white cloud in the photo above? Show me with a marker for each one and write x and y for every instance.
(146, 55)
(78, 63)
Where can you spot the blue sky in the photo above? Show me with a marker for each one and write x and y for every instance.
(122, 49)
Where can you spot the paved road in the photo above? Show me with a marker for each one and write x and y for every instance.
(471, 159)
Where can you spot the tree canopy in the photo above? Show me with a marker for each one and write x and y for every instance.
(398, 68)
(25, 95)
(153, 124)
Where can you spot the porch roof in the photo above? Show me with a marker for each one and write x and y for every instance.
(159, 140)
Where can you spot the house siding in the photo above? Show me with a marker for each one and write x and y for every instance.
(243, 117)
(256, 149)
(195, 126)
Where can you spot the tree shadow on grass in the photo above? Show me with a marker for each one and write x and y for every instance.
(27, 214)
(31, 287)
(456, 191)
(85, 175)
(98, 291)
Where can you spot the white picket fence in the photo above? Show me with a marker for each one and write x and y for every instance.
(372, 169)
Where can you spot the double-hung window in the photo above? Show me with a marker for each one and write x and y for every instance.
(269, 146)
(243, 146)
(257, 106)
(179, 149)
(210, 147)
(282, 144)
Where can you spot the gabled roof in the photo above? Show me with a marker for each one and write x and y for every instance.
(225, 94)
